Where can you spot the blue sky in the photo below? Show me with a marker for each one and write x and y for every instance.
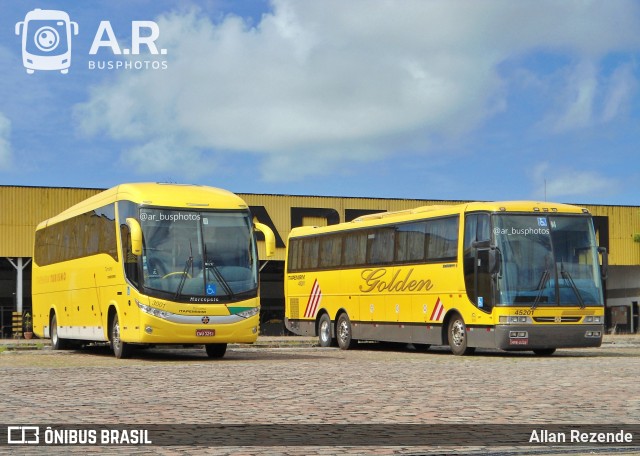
(468, 100)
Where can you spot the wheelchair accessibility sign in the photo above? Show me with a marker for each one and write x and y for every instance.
(211, 289)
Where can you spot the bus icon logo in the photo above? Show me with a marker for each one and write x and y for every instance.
(46, 40)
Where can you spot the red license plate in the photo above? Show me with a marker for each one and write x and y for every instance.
(205, 332)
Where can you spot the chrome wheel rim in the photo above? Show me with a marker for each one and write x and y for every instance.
(325, 331)
(343, 331)
(54, 332)
(116, 336)
(457, 333)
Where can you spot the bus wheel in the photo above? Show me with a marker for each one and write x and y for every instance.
(324, 331)
(343, 332)
(458, 336)
(215, 350)
(120, 349)
(544, 351)
(57, 343)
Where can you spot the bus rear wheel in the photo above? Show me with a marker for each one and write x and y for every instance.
(120, 349)
(215, 350)
(324, 331)
(458, 337)
(57, 343)
(344, 332)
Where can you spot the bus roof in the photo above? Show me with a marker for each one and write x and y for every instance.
(156, 194)
(421, 212)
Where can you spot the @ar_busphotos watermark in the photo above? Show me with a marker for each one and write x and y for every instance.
(47, 43)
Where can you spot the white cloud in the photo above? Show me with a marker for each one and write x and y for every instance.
(579, 95)
(316, 86)
(586, 98)
(5, 144)
(622, 86)
(563, 184)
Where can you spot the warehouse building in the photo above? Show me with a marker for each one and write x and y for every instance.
(617, 228)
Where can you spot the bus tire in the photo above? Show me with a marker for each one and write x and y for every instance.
(344, 332)
(57, 343)
(324, 331)
(457, 335)
(120, 349)
(215, 350)
(544, 351)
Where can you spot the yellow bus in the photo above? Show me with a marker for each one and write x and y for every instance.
(149, 264)
(507, 275)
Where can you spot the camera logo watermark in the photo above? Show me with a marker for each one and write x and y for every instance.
(46, 44)
(46, 40)
(23, 435)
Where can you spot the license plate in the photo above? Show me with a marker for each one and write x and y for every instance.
(205, 332)
(518, 341)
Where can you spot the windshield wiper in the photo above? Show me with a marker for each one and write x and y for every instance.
(185, 271)
(566, 276)
(541, 285)
(209, 264)
(183, 279)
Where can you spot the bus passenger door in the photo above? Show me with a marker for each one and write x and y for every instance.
(477, 274)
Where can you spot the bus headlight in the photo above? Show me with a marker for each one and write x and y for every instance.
(153, 311)
(249, 312)
(593, 319)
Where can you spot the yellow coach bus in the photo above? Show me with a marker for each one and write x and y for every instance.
(149, 264)
(507, 275)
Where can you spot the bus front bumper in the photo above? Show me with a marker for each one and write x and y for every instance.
(154, 330)
(530, 337)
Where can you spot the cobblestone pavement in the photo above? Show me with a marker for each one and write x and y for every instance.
(304, 391)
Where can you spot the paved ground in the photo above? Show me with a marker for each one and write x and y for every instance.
(366, 401)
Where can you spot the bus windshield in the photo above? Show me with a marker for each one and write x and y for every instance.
(547, 260)
(198, 256)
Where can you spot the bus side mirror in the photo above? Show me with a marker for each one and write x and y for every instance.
(493, 255)
(269, 238)
(605, 262)
(494, 260)
(136, 236)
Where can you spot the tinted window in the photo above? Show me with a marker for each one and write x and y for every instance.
(87, 234)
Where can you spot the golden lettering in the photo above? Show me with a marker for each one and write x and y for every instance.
(374, 280)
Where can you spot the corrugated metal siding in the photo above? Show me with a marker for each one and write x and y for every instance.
(22, 208)
(624, 222)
